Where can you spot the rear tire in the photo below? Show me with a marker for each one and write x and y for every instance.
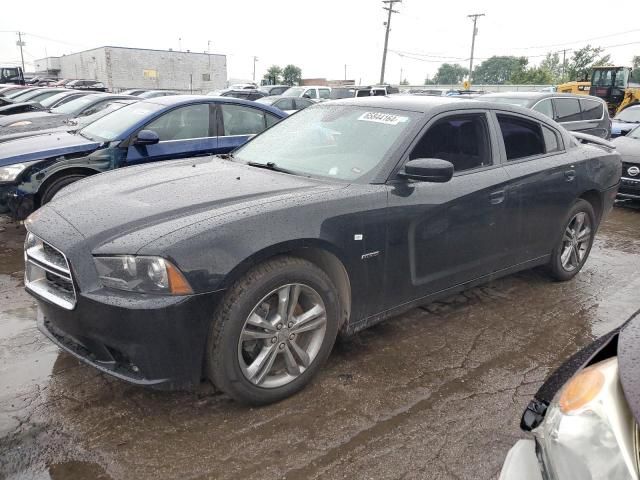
(273, 330)
(575, 241)
(58, 184)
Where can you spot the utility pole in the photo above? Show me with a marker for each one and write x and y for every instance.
(401, 65)
(345, 71)
(564, 63)
(255, 59)
(473, 40)
(390, 9)
(21, 44)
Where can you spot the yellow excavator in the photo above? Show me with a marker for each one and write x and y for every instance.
(613, 84)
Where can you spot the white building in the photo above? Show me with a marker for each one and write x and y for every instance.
(120, 68)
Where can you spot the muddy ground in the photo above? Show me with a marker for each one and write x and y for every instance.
(436, 393)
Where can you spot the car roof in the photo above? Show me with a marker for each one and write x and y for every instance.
(432, 104)
(173, 100)
(536, 95)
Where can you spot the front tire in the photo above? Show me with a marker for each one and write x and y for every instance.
(574, 245)
(58, 184)
(273, 331)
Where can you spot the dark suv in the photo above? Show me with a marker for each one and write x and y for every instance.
(577, 113)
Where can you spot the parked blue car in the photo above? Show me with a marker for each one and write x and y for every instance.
(34, 169)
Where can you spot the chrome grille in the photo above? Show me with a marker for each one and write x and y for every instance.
(47, 273)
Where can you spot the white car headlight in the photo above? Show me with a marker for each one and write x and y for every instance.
(9, 173)
(588, 431)
(141, 274)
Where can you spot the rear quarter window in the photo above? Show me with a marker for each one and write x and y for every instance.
(591, 109)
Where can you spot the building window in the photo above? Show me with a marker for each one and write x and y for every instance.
(206, 77)
(150, 74)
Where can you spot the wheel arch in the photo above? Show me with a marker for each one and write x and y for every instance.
(323, 254)
(63, 172)
(595, 199)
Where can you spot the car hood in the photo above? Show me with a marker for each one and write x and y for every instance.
(44, 146)
(31, 116)
(628, 148)
(128, 208)
(629, 363)
(16, 136)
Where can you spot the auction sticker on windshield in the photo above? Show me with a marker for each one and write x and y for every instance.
(386, 118)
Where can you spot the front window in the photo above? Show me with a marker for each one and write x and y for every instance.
(191, 121)
(112, 126)
(335, 141)
(602, 78)
(462, 140)
(293, 92)
(629, 115)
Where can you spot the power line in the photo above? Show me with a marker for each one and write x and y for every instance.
(578, 41)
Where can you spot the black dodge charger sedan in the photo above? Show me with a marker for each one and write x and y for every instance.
(244, 268)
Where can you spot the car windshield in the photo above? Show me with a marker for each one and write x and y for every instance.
(110, 127)
(74, 107)
(293, 92)
(629, 115)
(343, 142)
(110, 107)
(47, 102)
(521, 102)
(635, 133)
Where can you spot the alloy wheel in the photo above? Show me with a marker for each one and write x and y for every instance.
(282, 335)
(576, 241)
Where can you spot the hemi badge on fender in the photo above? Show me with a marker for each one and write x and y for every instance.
(370, 254)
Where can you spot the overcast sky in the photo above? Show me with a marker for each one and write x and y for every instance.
(320, 37)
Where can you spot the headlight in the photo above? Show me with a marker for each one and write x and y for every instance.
(141, 274)
(588, 431)
(11, 172)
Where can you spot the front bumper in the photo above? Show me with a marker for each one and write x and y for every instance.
(148, 340)
(629, 188)
(521, 462)
(15, 202)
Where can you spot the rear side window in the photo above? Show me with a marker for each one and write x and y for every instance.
(460, 139)
(324, 92)
(591, 109)
(567, 110)
(241, 120)
(522, 138)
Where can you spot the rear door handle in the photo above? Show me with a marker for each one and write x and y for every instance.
(570, 175)
(496, 197)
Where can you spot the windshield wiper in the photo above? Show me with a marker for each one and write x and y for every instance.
(271, 166)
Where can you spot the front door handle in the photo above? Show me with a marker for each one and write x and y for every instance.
(496, 197)
(570, 175)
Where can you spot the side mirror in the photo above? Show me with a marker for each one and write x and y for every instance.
(428, 170)
(146, 137)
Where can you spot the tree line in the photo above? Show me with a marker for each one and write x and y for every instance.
(289, 75)
(499, 70)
